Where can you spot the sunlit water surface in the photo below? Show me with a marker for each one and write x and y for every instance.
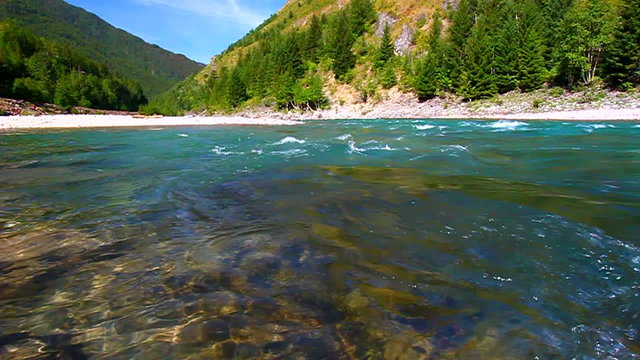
(331, 240)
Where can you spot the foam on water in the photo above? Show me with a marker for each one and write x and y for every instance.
(220, 150)
(507, 124)
(374, 145)
(369, 142)
(353, 148)
(289, 140)
(344, 137)
(456, 147)
(591, 127)
(291, 152)
(183, 135)
(424, 127)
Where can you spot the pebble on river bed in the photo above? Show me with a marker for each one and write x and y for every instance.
(204, 332)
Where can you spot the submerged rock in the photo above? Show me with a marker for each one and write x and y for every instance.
(206, 331)
(225, 350)
(247, 351)
(407, 346)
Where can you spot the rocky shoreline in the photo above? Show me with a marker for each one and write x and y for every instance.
(13, 107)
(12, 123)
(550, 104)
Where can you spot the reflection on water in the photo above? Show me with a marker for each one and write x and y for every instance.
(401, 240)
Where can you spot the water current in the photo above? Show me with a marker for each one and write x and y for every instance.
(376, 239)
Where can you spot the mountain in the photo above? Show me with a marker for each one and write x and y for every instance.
(322, 53)
(154, 68)
(41, 70)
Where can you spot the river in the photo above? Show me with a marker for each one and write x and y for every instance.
(372, 239)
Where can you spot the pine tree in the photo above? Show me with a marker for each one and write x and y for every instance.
(219, 97)
(237, 90)
(622, 64)
(507, 45)
(477, 76)
(552, 12)
(256, 81)
(313, 40)
(360, 13)
(431, 76)
(462, 22)
(386, 50)
(292, 54)
(343, 57)
(426, 82)
(388, 78)
(532, 49)
(435, 32)
(285, 90)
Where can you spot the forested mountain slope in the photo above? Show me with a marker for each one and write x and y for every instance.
(154, 68)
(311, 50)
(40, 70)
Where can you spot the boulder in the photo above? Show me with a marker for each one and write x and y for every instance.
(405, 40)
(384, 19)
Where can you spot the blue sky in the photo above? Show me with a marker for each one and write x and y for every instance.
(197, 28)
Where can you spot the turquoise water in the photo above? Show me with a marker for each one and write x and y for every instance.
(332, 240)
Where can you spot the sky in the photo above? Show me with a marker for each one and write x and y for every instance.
(198, 29)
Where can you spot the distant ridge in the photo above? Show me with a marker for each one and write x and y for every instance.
(154, 68)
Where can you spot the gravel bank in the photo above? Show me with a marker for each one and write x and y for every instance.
(104, 121)
(273, 119)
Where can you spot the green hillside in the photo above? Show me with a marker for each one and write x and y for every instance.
(154, 68)
(40, 70)
(309, 51)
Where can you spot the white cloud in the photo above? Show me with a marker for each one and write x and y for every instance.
(214, 8)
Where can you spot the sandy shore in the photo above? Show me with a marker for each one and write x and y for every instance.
(103, 121)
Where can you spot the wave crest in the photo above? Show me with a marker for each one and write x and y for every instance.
(290, 140)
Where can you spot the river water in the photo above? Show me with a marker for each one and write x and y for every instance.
(376, 239)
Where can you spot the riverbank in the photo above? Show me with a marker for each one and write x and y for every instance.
(273, 119)
(545, 104)
(106, 121)
(10, 107)
(344, 103)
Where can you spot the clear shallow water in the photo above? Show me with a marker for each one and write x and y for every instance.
(332, 240)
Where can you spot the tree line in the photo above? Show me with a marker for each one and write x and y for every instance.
(480, 49)
(496, 46)
(38, 70)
